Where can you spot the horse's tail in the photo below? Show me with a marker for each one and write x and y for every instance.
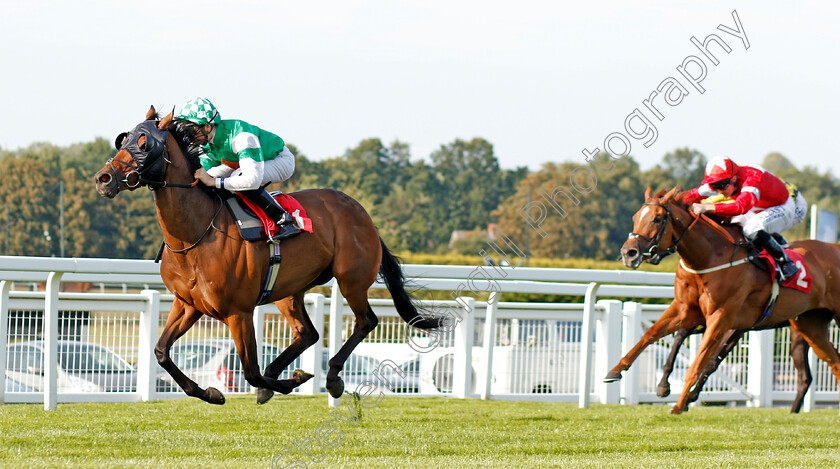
(392, 273)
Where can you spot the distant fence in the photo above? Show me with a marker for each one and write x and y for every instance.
(501, 350)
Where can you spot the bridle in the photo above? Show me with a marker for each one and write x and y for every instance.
(653, 253)
(150, 159)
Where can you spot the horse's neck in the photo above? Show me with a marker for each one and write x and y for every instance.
(184, 213)
(701, 246)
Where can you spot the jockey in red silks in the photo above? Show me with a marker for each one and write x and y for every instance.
(763, 204)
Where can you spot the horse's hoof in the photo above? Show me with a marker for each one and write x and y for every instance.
(663, 391)
(214, 396)
(612, 376)
(335, 387)
(264, 395)
(301, 376)
(677, 410)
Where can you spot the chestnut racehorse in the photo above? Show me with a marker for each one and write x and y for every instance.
(211, 270)
(798, 351)
(732, 298)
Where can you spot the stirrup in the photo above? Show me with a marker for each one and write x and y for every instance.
(790, 266)
(286, 231)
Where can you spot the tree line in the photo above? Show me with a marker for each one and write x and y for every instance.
(415, 203)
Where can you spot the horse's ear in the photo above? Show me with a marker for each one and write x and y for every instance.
(166, 121)
(647, 193)
(151, 113)
(668, 197)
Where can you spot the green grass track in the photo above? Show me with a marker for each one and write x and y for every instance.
(412, 432)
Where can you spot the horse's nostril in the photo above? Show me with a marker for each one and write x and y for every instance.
(105, 178)
(632, 253)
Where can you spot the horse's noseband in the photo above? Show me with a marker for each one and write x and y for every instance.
(148, 158)
(653, 253)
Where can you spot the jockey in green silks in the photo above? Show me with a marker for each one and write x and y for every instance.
(240, 157)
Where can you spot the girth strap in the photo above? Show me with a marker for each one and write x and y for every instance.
(274, 259)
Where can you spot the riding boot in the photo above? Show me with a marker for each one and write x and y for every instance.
(786, 266)
(780, 239)
(284, 221)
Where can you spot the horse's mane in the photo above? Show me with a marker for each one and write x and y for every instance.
(718, 224)
(186, 136)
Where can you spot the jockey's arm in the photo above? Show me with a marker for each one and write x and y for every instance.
(743, 203)
(698, 193)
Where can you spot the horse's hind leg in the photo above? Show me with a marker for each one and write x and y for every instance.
(663, 389)
(241, 325)
(304, 335)
(366, 321)
(799, 352)
(815, 329)
(181, 318)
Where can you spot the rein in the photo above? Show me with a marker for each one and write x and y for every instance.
(206, 231)
(153, 185)
(158, 155)
(655, 255)
(653, 252)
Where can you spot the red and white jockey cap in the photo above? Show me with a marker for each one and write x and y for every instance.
(718, 169)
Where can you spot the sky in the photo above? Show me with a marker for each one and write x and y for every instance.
(540, 80)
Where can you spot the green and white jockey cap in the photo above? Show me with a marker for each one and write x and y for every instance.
(199, 111)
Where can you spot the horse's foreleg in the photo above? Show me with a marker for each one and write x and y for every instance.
(716, 329)
(799, 352)
(366, 321)
(181, 318)
(672, 319)
(714, 364)
(663, 389)
(304, 335)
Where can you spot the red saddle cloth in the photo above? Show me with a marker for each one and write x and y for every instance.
(289, 203)
(801, 281)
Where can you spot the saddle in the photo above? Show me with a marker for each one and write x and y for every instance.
(250, 220)
(764, 261)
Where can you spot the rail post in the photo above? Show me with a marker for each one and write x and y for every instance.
(310, 359)
(760, 367)
(632, 326)
(587, 337)
(51, 341)
(489, 343)
(462, 367)
(146, 361)
(4, 321)
(608, 346)
(336, 326)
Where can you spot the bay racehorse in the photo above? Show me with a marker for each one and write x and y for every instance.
(732, 298)
(212, 271)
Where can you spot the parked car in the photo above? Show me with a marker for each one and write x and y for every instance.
(14, 386)
(82, 367)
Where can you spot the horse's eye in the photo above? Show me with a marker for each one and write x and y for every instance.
(141, 143)
(657, 219)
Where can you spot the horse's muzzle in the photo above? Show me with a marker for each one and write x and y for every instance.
(631, 256)
(106, 184)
